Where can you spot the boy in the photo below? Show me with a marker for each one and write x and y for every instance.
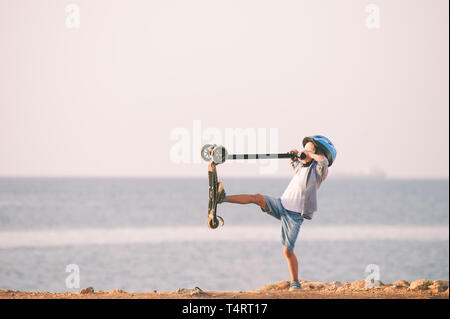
(299, 200)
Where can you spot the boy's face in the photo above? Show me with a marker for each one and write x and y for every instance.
(309, 147)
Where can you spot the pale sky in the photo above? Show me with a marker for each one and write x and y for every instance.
(109, 98)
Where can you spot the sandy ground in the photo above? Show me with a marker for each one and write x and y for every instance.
(419, 289)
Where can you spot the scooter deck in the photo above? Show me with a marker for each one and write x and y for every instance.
(213, 220)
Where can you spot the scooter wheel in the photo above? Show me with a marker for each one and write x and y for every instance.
(206, 151)
(212, 222)
(221, 222)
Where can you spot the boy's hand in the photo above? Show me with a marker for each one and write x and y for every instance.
(294, 151)
(311, 155)
(307, 153)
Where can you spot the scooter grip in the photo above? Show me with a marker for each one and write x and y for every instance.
(302, 155)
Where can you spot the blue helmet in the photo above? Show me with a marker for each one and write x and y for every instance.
(324, 144)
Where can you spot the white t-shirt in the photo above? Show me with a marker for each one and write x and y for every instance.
(292, 196)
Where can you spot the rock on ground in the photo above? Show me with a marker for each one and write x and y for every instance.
(401, 284)
(420, 284)
(279, 286)
(88, 290)
(117, 291)
(439, 285)
(187, 291)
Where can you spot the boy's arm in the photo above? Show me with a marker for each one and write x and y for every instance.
(322, 165)
(317, 157)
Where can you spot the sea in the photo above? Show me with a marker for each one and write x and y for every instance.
(145, 234)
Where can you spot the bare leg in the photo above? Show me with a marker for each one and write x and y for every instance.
(292, 263)
(257, 199)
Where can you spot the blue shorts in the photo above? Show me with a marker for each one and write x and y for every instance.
(290, 221)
